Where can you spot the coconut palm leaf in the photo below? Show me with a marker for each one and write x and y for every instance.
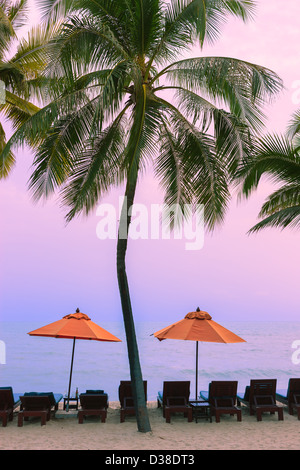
(18, 14)
(21, 71)
(7, 163)
(289, 217)
(231, 82)
(277, 159)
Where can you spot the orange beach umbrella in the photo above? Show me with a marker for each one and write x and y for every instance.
(198, 326)
(75, 326)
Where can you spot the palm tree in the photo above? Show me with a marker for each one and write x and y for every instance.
(277, 158)
(21, 64)
(115, 63)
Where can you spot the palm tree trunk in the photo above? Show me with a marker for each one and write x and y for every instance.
(133, 353)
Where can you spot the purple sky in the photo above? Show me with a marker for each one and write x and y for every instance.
(48, 269)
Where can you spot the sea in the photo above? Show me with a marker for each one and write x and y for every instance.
(27, 363)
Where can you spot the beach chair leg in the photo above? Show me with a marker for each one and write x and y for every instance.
(20, 419)
(43, 418)
(4, 420)
(103, 418)
(280, 414)
(80, 418)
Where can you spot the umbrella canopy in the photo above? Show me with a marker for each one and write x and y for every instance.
(75, 326)
(198, 326)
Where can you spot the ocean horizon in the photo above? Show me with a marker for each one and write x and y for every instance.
(41, 364)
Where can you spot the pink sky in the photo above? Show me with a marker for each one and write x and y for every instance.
(48, 270)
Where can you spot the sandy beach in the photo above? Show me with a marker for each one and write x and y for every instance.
(67, 434)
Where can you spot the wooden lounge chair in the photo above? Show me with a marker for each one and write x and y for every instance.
(34, 406)
(260, 397)
(175, 399)
(292, 397)
(8, 403)
(126, 398)
(54, 398)
(222, 398)
(93, 404)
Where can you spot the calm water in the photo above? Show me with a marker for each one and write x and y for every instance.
(43, 364)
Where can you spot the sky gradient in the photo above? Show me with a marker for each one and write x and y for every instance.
(49, 269)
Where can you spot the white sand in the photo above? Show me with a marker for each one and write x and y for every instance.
(229, 434)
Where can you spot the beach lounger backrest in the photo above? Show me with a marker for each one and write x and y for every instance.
(125, 392)
(6, 398)
(93, 401)
(42, 394)
(223, 391)
(176, 389)
(262, 387)
(293, 389)
(35, 402)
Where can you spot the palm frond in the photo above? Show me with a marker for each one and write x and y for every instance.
(233, 140)
(7, 33)
(84, 43)
(54, 10)
(95, 169)
(18, 14)
(56, 154)
(7, 163)
(170, 173)
(187, 20)
(294, 125)
(241, 86)
(17, 110)
(244, 9)
(274, 157)
(289, 217)
(287, 196)
(205, 176)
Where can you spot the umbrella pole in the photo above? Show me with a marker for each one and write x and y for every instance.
(196, 393)
(69, 391)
